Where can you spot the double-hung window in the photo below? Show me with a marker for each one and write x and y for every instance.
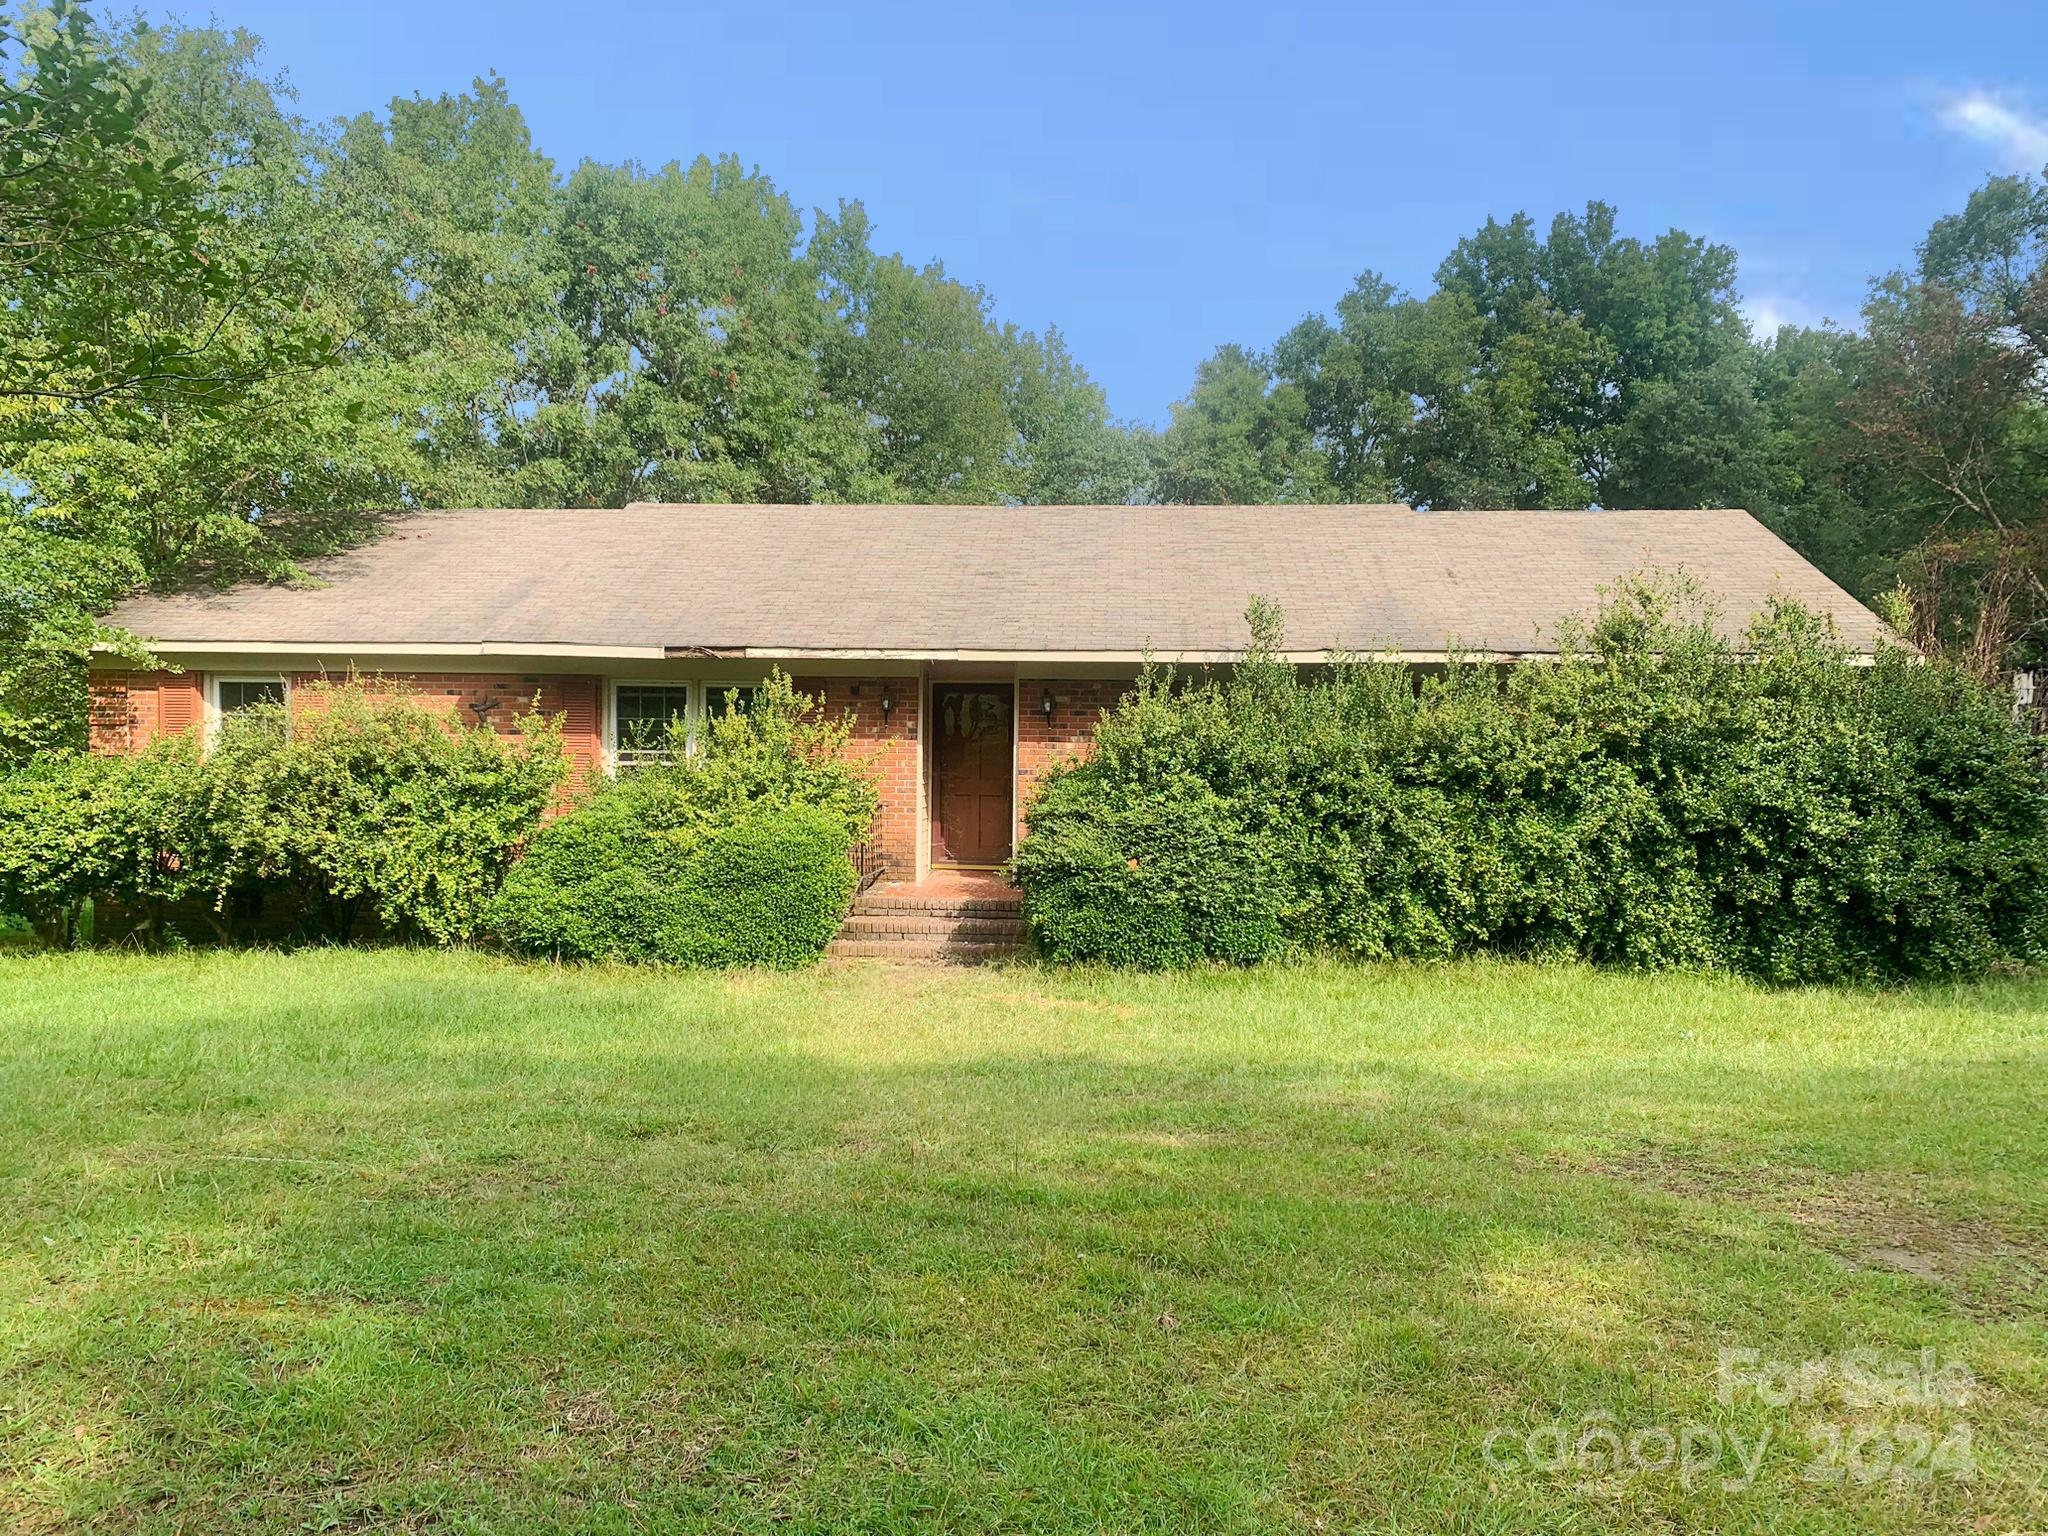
(233, 695)
(647, 719)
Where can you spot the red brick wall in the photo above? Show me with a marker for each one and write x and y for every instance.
(1041, 742)
(893, 752)
(126, 714)
(125, 711)
(128, 710)
(121, 711)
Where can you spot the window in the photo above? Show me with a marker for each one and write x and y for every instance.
(233, 694)
(642, 714)
(724, 699)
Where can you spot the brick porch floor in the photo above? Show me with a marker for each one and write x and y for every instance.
(950, 885)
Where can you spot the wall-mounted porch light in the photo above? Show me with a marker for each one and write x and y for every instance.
(888, 704)
(1045, 705)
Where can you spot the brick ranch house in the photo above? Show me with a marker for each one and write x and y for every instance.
(972, 645)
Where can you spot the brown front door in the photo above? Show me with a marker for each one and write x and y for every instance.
(971, 773)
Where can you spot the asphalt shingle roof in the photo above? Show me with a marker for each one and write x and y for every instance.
(1024, 580)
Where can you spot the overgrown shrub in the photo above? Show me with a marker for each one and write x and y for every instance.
(363, 804)
(1658, 797)
(767, 888)
(736, 855)
(54, 845)
(1154, 876)
(382, 805)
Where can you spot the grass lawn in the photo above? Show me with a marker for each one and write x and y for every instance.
(430, 1242)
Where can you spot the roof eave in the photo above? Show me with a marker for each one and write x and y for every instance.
(536, 650)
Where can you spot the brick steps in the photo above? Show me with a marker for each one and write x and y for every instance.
(966, 928)
(947, 929)
(873, 902)
(931, 951)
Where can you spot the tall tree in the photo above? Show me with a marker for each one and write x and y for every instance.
(129, 298)
(965, 409)
(1920, 444)
(120, 274)
(696, 377)
(920, 358)
(1069, 451)
(418, 241)
(1574, 369)
(1240, 437)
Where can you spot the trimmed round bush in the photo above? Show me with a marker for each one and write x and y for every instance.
(770, 889)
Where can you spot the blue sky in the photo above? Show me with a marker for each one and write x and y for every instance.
(1157, 179)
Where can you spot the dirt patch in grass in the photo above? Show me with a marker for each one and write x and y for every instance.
(1867, 1222)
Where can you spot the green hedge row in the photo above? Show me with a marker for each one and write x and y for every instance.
(734, 855)
(362, 809)
(1659, 797)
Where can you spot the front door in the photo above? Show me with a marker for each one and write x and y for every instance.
(971, 773)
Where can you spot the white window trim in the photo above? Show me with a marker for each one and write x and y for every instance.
(214, 713)
(695, 711)
(692, 707)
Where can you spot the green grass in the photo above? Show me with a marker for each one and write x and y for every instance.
(431, 1242)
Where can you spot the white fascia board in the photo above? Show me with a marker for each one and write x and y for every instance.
(541, 652)
(409, 651)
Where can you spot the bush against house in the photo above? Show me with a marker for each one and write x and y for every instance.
(732, 854)
(1659, 797)
(388, 809)
(360, 808)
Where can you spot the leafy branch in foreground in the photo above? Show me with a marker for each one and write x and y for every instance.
(119, 276)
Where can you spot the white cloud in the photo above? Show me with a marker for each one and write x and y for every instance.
(2021, 140)
(1765, 312)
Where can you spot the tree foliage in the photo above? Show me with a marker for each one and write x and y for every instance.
(1916, 449)
(1581, 367)
(1571, 369)
(122, 275)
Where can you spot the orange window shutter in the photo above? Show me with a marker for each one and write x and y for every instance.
(580, 723)
(179, 703)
